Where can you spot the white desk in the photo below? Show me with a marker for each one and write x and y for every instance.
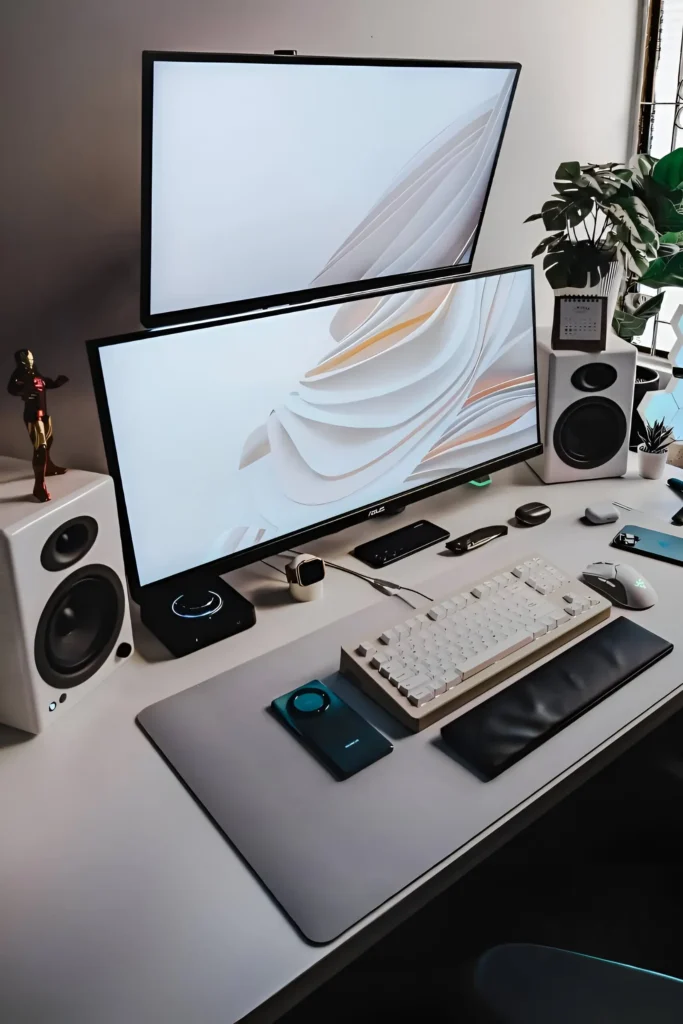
(122, 904)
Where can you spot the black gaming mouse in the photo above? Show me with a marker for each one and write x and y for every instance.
(532, 514)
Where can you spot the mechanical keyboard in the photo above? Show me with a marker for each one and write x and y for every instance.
(446, 653)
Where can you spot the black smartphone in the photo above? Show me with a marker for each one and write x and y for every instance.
(651, 543)
(341, 739)
(400, 543)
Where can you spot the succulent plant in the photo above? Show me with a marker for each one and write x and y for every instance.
(657, 437)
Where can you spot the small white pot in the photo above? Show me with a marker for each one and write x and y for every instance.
(651, 464)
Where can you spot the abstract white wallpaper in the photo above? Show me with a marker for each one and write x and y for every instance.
(271, 178)
(272, 424)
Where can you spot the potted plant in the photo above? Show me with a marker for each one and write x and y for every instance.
(653, 449)
(659, 186)
(616, 228)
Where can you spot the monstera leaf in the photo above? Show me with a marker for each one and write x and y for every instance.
(549, 242)
(668, 171)
(664, 272)
(558, 212)
(570, 265)
(665, 205)
(635, 253)
(631, 319)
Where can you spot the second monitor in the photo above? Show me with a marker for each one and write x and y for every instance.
(269, 179)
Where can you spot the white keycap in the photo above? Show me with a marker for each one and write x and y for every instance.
(569, 598)
(436, 612)
(388, 668)
(470, 666)
(388, 636)
(573, 609)
(520, 571)
(413, 626)
(480, 590)
(500, 580)
(549, 621)
(379, 659)
(401, 629)
(424, 620)
(492, 585)
(399, 675)
(459, 601)
(365, 648)
(594, 600)
(415, 682)
(560, 617)
(421, 696)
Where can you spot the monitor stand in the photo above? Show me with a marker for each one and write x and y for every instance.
(479, 481)
(193, 611)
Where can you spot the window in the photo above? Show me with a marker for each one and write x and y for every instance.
(661, 129)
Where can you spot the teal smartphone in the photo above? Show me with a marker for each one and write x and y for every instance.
(651, 543)
(334, 732)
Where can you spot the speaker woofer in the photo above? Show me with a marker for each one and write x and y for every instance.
(79, 626)
(589, 433)
(69, 543)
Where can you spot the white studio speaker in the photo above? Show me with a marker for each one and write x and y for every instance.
(64, 615)
(585, 404)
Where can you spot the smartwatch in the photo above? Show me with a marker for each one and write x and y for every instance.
(305, 575)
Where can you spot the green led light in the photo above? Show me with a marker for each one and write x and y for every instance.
(641, 583)
(484, 482)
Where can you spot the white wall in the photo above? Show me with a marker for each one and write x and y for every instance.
(69, 174)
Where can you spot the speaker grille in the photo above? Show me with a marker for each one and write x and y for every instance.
(590, 432)
(79, 626)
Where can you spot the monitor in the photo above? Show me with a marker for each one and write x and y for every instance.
(232, 440)
(266, 178)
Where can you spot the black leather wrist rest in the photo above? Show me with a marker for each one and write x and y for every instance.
(503, 729)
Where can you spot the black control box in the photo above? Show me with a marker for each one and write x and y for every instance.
(400, 543)
(191, 613)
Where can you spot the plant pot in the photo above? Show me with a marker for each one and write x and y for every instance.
(646, 380)
(651, 464)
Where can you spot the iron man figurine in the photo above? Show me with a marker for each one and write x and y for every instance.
(29, 384)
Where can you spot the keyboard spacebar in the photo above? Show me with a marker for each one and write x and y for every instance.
(470, 666)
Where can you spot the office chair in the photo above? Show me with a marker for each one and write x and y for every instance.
(527, 984)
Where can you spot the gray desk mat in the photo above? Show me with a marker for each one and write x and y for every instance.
(331, 852)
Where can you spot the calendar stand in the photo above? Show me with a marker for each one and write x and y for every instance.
(580, 323)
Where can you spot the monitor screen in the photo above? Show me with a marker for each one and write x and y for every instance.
(228, 441)
(267, 176)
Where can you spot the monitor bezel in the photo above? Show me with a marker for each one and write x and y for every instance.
(334, 524)
(232, 308)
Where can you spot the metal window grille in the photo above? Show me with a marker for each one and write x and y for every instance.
(660, 128)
